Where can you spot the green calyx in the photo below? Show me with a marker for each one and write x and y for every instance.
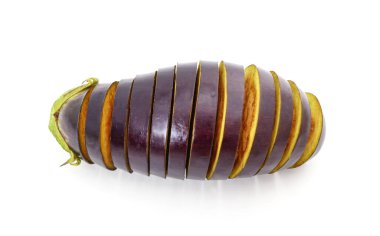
(54, 113)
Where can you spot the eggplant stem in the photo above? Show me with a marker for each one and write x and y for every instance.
(74, 159)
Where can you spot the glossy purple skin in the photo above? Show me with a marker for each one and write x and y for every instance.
(185, 81)
(204, 121)
(68, 121)
(303, 136)
(93, 121)
(139, 122)
(233, 120)
(119, 124)
(265, 124)
(161, 121)
(284, 127)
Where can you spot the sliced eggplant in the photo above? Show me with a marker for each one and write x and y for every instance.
(139, 122)
(204, 120)
(193, 120)
(162, 109)
(184, 89)
(283, 124)
(119, 127)
(229, 120)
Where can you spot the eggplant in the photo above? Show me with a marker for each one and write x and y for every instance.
(139, 122)
(197, 121)
(120, 116)
(203, 121)
(229, 120)
(162, 110)
(283, 124)
(261, 127)
(184, 91)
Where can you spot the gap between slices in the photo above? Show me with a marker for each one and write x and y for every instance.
(192, 118)
(296, 126)
(168, 132)
(150, 121)
(126, 131)
(315, 130)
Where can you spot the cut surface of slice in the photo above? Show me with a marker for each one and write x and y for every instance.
(82, 127)
(106, 126)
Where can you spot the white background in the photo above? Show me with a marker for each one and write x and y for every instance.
(330, 48)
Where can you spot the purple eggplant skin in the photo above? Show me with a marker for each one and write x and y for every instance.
(68, 120)
(303, 134)
(204, 121)
(162, 108)
(139, 122)
(265, 124)
(93, 121)
(184, 89)
(119, 125)
(233, 121)
(284, 127)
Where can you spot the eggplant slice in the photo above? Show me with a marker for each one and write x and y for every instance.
(229, 120)
(184, 90)
(203, 121)
(160, 131)
(139, 122)
(119, 129)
